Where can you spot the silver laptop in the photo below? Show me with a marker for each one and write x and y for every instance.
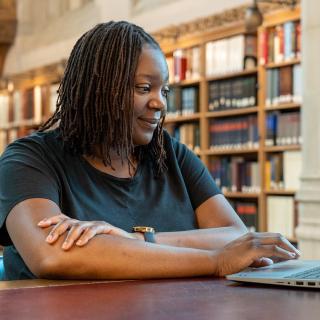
(298, 273)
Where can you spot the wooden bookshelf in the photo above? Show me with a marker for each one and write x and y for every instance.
(272, 65)
(182, 118)
(185, 83)
(246, 110)
(280, 192)
(233, 75)
(241, 195)
(206, 117)
(28, 101)
(293, 147)
(229, 151)
(279, 199)
(232, 112)
(284, 106)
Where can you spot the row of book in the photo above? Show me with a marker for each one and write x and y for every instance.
(280, 43)
(32, 104)
(282, 215)
(4, 110)
(184, 64)
(186, 133)
(282, 171)
(233, 54)
(240, 92)
(283, 128)
(183, 101)
(9, 135)
(235, 174)
(284, 85)
(239, 132)
(248, 213)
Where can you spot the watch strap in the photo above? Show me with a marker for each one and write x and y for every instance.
(149, 237)
(148, 233)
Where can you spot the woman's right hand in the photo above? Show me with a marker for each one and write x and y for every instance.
(253, 249)
(79, 232)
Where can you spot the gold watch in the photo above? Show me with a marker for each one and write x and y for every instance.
(148, 233)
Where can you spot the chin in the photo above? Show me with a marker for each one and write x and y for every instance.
(141, 140)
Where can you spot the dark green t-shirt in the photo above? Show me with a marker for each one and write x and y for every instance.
(38, 166)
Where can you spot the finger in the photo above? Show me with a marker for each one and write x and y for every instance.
(47, 222)
(73, 235)
(59, 229)
(120, 233)
(274, 250)
(90, 232)
(87, 235)
(280, 240)
(262, 262)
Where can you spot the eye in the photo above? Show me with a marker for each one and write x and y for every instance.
(142, 88)
(165, 91)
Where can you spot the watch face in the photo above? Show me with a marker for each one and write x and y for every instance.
(148, 233)
(143, 229)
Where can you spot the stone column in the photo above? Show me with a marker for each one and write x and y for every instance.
(308, 230)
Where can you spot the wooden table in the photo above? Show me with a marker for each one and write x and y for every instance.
(197, 298)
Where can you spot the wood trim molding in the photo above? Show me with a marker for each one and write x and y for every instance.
(174, 33)
(39, 76)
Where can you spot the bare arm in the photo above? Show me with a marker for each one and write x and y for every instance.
(218, 225)
(114, 257)
(104, 257)
(218, 222)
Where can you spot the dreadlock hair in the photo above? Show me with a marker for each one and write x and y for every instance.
(95, 96)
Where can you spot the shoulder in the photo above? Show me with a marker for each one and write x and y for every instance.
(37, 142)
(39, 147)
(175, 148)
(172, 143)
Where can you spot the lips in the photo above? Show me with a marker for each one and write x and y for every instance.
(150, 123)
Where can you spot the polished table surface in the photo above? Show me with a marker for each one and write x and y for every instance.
(196, 298)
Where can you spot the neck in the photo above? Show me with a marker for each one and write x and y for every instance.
(118, 167)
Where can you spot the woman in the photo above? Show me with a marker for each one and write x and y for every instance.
(109, 167)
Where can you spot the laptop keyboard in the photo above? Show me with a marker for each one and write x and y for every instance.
(313, 273)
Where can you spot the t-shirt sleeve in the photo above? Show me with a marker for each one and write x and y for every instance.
(199, 182)
(25, 173)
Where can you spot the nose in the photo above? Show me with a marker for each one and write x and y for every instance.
(158, 101)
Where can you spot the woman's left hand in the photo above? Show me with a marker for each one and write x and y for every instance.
(79, 232)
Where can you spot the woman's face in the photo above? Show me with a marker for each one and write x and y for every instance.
(150, 94)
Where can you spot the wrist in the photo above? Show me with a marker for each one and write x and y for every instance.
(214, 261)
(147, 232)
(138, 236)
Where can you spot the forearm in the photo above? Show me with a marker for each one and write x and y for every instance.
(207, 239)
(110, 257)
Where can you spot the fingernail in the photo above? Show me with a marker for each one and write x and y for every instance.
(79, 242)
(65, 245)
(40, 223)
(49, 238)
(292, 254)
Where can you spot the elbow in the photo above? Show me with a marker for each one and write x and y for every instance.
(47, 268)
(49, 264)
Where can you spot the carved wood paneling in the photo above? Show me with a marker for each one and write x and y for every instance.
(202, 25)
